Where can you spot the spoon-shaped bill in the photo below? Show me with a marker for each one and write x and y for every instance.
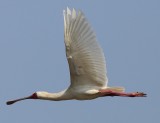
(33, 96)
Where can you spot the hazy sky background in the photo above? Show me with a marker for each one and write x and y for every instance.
(32, 58)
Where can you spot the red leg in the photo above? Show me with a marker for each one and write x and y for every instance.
(123, 94)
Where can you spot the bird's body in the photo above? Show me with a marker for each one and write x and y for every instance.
(86, 63)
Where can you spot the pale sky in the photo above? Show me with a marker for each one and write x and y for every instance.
(32, 58)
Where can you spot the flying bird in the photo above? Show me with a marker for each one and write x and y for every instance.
(87, 64)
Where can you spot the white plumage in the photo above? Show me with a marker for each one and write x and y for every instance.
(85, 57)
(86, 63)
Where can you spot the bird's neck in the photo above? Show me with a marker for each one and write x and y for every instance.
(63, 95)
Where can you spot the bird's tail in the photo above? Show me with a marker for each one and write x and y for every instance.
(117, 89)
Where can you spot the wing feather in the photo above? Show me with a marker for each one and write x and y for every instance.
(85, 56)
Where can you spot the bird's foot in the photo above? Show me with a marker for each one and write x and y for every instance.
(137, 94)
(122, 94)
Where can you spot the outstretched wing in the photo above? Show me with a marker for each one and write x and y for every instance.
(85, 56)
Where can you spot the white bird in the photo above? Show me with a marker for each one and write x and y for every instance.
(86, 63)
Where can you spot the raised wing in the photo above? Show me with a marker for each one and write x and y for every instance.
(85, 57)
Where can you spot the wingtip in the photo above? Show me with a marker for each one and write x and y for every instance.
(68, 10)
(73, 13)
